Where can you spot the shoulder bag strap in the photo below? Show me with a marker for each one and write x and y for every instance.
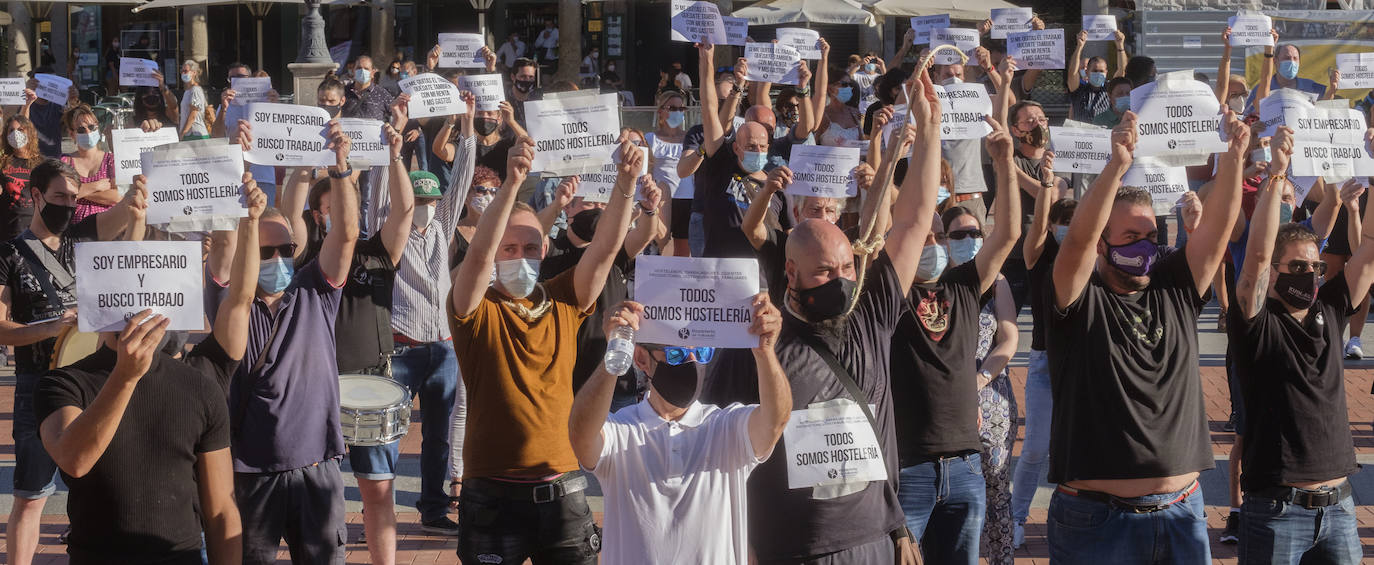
(845, 379)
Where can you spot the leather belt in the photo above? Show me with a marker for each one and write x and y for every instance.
(965, 197)
(539, 493)
(402, 340)
(1310, 499)
(1124, 503)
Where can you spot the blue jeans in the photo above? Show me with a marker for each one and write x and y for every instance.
(1035, 450)
(945, 502)
(35, 473)
(431, 371)
(1091, 532)
(696, 234)
(1272, 531)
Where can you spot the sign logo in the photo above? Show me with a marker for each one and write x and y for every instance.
(1173, 144)
(187, 210)
(281, 157)
(832, 473)
(684, 333)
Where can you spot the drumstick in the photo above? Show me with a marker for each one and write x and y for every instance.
(44, 320)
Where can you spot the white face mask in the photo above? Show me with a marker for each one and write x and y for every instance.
(518, 276)
(480, 202)
(424, 214)
(18, 139)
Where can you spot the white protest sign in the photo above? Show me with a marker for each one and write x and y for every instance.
(1357, 70)
(1100, 28)
(189, 182)
(962, 107)
(1006, 21)
(922, 25)
(1040, 49)
(486, 89)
(116, 280)
(965, 39)
(287, 135)
(805, 41)
(819, 170)
(696, 22)
(1192, 42)
(597, 186)
(137, 72)
(736, 30)
(900, 114)
(832, 443)
(53, 88)
(1329, 142)
(130, 144)
(1177, 117)
(12, 91)
(248, 90)
(461, 50)
(1080, 149)
(1165, 184)
(1249, 29)
(432, 95)
(1276, 107)
(369, 145)
(574, 132)
(1302, 186)
(696, 301)
(772, 62)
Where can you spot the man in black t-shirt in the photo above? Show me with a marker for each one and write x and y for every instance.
(1295, 459)
(1129, 431)
(38, 302)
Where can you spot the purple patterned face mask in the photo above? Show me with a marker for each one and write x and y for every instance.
(1135, 259)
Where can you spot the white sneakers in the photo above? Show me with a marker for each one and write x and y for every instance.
(1352, 349)
(1018, 536)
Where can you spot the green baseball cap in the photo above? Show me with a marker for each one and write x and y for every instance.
(426, 185)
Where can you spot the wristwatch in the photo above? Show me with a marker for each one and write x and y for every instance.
(987, 377)
(646, 210)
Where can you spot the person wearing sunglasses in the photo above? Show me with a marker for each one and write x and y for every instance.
(1288, 323)
(96, 167)
(694, 509)
(665, 150)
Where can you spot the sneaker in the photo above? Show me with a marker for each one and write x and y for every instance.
(1352, 349)
(1221, 322)
(442, 526)
(1230, 425)
(362, 536)
(62, 537)
(1231, 534)
(1018, 536)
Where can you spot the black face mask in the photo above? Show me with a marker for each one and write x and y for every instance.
(485, 126)
(333, 109)
(524, 86)
(56, 217)
(676, 384)
(583, 225)
(826, 301)
(1298, 290)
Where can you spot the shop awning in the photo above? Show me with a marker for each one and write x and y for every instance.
(976, 10)
(183, 3)
(772, 12)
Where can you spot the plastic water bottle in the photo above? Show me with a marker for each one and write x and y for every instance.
(620, 349)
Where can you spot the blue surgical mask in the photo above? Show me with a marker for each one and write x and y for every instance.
(871, 68)
(845, 94)
(1121, 104)
(1285, 213)
(964, 250)
(186, 77)
(404, 75)
(933, 262)
(1097, 80)
(941, 195)
(518, 276)
(675, 118)
(328, 224)
(275, 275)
(753, 161)
(362, 76)
(88, 140)
(1288, 69)
(1060, 232)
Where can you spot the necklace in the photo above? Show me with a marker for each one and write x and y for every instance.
(1144, 326)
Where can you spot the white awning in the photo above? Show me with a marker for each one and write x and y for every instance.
(771, 12)
(976, 10)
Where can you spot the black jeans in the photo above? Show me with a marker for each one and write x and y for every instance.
(496, 529)
(305, 506)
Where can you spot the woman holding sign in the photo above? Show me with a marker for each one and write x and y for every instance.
(97, 192)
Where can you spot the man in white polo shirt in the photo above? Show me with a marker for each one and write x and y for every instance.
(674, 470)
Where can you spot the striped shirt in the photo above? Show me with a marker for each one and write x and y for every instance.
(422, 279)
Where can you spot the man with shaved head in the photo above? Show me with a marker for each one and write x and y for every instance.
(835, 349)
(516, 340)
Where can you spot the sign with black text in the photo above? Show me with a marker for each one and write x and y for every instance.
(137, 72)
(289, 135)
(188, 183)
(573, 132)
(432, 95)
(964, 39)
(805, 41)
(1040, 49)
(1100, 27)
(369, 145)
(248, 90)
(832, 443)
(1080, 149)
(486, 89)
(1328, 141)
(1249, 29)
(695, 21)
(12, 91)
(1177, 117)
(1006, 21)
(1357, 70)
(461, 51)
(772, 62)
(922, 25)
(824, 171)
(53, 88)
(115, 280)
(696, 301)
(962, 108)
(736, 30)
(130, 144)
(1165, 184)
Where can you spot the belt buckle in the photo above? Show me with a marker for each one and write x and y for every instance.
(551, 496)
(1314, 500)
(1150, 509)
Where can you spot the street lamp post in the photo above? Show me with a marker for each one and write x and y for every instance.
(482, 6)
(313, 61)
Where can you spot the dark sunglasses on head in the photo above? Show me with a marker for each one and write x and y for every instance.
(286, 250)
(961, 234)
(680, 355)
(1300, 267)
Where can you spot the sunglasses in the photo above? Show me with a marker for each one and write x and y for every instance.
(86, 129)
(961, 234)
(269, 251)
(679, 355)
(1300, 267)
(484, 189)
(675, 108)
(788, 106)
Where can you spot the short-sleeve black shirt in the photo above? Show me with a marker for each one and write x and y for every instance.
(725, 192)
(1039, 293)
(1124, 370)
(26, 281)
(363, 327)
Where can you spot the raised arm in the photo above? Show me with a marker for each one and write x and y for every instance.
(1266, 71)
(907, 39)
(755, 230)
(1359, 269)
(1207, 245)
(1119, 42)
(819, 92)
(1224, 67)
(806, 117)
(291, 203)
(336, 253)
(589, 276)
(1075, 61)
(1034, 244)
(395, 230)
(593, 401)
(1324, 217)
(775, 393)
(231, 320)
(1006, 215)
(474, 273)
(562, 196)
(915, 205)
(1252, 284)
(1078, 252)
(648, 223)
(730, 108)
(114, 223)
(711, 122)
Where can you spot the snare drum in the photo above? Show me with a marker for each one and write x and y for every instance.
(372, 410)
(73, 346)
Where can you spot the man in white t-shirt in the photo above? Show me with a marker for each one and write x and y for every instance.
(674, 470)
(548, 41)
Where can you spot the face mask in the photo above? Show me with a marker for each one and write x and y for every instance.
(845, 94)
(610, 68)
(333, 109)
(1122, 104)
(1285, 213)
(186, 77)
(941, 195)
(753, 161)
(952, 80)
(1038, 137)
(1288, 69)
(788, 118)
(583, 224)
(328, 224)
(676, 384)
(1236, 103)
(826, 301)
(1298, 290)
(275, 275)
(524, 86)
(18, 139)
(675, 118)
(1097, 80)
(1060, 232)
(88, 140)
(964, 250)
(1261, 155)
(404, 75)
(480, 202)
(1135, 259)
(870, 68)
(933, 262)
(424, 213)
(56, 217)
(485, 126)
(362, 76)
(517, 276)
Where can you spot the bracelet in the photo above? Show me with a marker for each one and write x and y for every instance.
(454, 483)
(398, 159)
(804, 93)
(647, 211)
(1278, 177)
(630, 194)
(340, 175)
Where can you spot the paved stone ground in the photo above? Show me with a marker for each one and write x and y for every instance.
(415, 546)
